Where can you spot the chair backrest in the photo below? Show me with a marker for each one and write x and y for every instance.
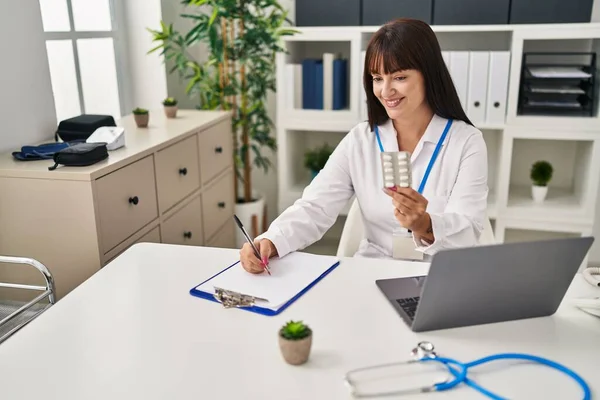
(353, 233)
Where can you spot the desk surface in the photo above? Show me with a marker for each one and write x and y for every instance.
(133, 332)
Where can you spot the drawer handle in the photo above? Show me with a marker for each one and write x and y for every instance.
(134, 200)
(221, 204)
(183, 171)
(218, 149)
(187, 235)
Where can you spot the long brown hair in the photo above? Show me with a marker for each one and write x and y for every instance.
(405, 44)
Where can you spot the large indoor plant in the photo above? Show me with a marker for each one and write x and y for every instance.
(243, 38)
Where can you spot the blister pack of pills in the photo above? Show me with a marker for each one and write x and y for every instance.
(396, 169)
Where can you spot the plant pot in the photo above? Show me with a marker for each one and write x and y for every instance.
(141, 120)
(251, 215)
(295, 352)
(171, 111)
(539, 193)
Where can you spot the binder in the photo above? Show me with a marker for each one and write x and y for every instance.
(291, 277)
(328, 59)
(498, 87)
(477, 87)
(459, 70)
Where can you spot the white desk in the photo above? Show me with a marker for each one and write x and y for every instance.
(133, 332)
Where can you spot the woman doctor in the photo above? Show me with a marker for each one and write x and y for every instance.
(412, 106)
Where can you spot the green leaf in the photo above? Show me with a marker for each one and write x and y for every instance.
(213, 17)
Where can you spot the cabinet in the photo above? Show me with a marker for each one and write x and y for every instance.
(172, 183)
(328, 12)
(378, 12)
(550, 11)
(473, 12)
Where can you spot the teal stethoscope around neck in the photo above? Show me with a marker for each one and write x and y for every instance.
(433, 156)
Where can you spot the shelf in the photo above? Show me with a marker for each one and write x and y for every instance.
(318, 120)
(492, 210)
(522, 235)
(571, 193)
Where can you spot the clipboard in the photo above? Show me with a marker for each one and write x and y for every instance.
(253, 302)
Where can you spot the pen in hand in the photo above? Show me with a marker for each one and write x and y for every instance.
(256, 252)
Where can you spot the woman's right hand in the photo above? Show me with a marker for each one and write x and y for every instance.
(250, 262)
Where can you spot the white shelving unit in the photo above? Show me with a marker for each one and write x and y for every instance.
(571, 144)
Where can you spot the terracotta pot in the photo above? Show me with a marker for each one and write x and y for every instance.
(141, 120)
(295, 352)
(171, 111)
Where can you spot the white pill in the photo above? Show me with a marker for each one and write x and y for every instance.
(387, 157)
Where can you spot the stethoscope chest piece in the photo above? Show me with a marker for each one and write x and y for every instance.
(423, 350)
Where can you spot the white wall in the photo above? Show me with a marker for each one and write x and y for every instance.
(148, 81)
(27, 113)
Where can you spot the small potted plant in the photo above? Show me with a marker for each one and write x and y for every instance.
(170, 105)
(141, 116)
(295, 340)
(541, 174)
(314, 160)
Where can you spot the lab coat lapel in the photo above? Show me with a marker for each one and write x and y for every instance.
(432, 134)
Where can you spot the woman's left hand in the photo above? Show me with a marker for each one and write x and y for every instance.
(409, 208)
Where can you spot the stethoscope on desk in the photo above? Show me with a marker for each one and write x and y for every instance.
(424, 352)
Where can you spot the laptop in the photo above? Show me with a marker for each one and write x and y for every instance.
(487, 284)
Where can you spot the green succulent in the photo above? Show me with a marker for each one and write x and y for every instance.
(170, 101)
(140, 111)
(541, 173)
(295, 330)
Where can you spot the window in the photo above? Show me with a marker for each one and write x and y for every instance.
(85, 56)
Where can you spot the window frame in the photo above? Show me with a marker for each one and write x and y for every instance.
(117, 33)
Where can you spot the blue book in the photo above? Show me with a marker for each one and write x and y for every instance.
(308, 67)
(340, 84)
(318, 85)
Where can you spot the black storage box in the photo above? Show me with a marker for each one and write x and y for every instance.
(470, 12)
(78, 129)
(327, 12)
(378, 12)
(550, 11)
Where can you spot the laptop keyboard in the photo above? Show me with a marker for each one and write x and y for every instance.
(409, 305)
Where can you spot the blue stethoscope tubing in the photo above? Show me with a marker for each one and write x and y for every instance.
(460, 372)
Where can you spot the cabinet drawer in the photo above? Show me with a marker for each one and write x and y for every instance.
(215, 146)
(151, 237)
(185, 226)
(126, 201)
(177, 173)
(217, 205)
(225, 238)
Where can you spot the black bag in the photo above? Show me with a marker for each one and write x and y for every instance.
(80, 154)
(78, 129)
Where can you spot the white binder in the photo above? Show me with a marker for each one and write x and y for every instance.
(446, 57)
(498, 87)
(328, 81)
(478, 86)
(459, 70)
(362, 97)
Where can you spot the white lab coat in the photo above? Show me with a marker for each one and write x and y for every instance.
(456, 191)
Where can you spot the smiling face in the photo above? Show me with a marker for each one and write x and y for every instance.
(401, 93)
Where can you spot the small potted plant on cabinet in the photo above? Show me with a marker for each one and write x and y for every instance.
(295, 341)
(141, 116)
(541, 174)
(170, 105)
(314, 160)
